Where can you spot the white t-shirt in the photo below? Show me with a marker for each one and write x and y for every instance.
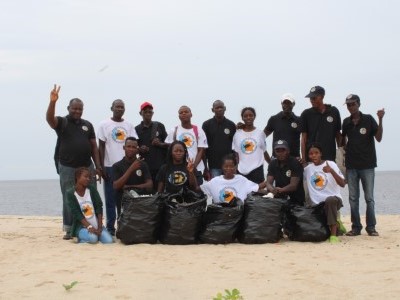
(189, 138)
(224, 190)
(322, 185)
(251, 147)
(114, 135)
(87, 207)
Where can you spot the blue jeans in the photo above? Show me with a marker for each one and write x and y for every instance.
(67, 181)
(84, 236)
(367, 177)
(215, 172)
(110, 199)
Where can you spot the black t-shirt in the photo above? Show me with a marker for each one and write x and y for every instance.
(322, 128)
(75, 148)
(156, 156)
(282, 175)
(360, 148)
(219, 138)
(175, 178)
(137, 177)
(286, 128)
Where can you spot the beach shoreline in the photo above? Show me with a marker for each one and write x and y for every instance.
(36, 262)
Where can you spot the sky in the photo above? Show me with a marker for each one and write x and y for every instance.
(173, 53)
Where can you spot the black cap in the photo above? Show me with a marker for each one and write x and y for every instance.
(316, 91)
(352, 98)
(281, 144)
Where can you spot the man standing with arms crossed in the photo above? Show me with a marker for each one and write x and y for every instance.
(112, 134)
(77, 148)
(359, 134)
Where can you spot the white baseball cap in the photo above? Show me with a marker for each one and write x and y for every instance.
(287, 96)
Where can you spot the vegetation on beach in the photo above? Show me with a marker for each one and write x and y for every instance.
(229, 295)
(67, 287)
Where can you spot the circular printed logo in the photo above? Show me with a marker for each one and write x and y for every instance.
(87, 210)
(318, 180)
(313, 89)
(294, 125)
(177, 178)
(119, 134)
(329, 119)
(84, 127)
(288, 173)
(227, 131)
(227, 194)
(139, 173)
(157, 133)
(187, 138)
(248, 145)
(363, 130)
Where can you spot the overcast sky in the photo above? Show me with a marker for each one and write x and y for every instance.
(171, 53)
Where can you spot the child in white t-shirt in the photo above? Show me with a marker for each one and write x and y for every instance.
(226, 187)
(324, 180)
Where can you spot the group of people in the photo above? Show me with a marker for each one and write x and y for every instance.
(221, 158)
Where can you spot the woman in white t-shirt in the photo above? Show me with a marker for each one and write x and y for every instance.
(249, 144)
(226, 187)
(324, 180)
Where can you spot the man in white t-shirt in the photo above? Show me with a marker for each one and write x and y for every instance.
(112, 134)
(194, 138)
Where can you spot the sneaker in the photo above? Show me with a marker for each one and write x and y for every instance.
(341, 229)
(373, 233)
(333, 239)
(353, 233)
(67, 236)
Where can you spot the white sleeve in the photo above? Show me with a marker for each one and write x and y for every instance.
(235, 137)
(263, 141)
(170, 137)
(205, 187)
(100, 132)
(202, 141)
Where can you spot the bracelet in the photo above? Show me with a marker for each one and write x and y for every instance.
(90, 226)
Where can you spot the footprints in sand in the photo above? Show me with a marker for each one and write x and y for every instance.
(44, 283)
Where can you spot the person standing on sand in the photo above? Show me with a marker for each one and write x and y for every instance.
(219, 131)
(359, 134)
(285, 126)
(112, 134)
(77, 148)
(320, 124)
(152, 134)
(194, 138)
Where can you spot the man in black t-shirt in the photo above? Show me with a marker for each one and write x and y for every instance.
(131, 173)
(320, 124)
(77, 148)
(287, 174)
(219, 131)
(152, 134)
(285, 126)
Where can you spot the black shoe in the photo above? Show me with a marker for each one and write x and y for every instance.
(373, 233)
(67, 236)
(353, 233)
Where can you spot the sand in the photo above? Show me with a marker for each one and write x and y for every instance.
(35, 263)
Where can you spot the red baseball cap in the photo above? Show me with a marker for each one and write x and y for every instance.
(146, 104)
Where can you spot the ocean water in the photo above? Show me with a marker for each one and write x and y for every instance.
(43, 197)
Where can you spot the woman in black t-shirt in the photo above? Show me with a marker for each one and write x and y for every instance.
(178, 172)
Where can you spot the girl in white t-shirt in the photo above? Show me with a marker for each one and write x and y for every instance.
(249, 144)
(226, 187)
(324, 180)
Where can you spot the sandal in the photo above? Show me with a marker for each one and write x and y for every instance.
(341, 229)
(353, 233)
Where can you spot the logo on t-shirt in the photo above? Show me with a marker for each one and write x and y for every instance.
(363, 130)
(177, 178)
(119, 134)
(227, 131)
(288, 173)
(227, 194)
(329, 119)
(318, 180)
(248, 145)
(139, 172)
(87, 209)
(294, 125)
(85, 128)
(187, 138)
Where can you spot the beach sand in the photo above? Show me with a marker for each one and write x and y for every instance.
(35, 263)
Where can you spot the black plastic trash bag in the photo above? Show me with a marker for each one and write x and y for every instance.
(221, 223)
(307, 224)
(262, 221)
(140, 218)
(182, 217)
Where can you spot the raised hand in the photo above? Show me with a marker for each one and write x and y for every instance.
(54, 93)
(327, 168)
(381, 113)
(190, 166)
